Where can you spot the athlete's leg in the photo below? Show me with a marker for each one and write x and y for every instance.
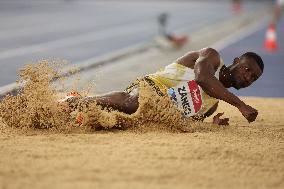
(121, 101)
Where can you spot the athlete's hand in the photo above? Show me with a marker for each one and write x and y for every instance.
(249, 112)
(217, 120)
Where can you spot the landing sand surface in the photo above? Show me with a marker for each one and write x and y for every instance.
(241, 155)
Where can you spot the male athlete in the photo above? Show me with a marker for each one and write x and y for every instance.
(195, 83)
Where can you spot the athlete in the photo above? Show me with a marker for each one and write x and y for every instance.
(195, 83)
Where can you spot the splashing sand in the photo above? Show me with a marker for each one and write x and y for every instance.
(37, 107)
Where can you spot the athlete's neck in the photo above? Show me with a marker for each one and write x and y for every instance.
(225, 77)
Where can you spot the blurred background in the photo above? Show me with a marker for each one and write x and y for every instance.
(79, 30)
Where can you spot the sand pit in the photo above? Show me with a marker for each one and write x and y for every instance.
(239, 156)
(37, 151)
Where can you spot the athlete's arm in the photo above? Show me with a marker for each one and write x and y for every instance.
(211, 110)
(205, 68)
(207, 114)
(216, 119)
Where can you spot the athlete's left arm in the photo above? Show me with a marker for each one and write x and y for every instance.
(211, 110)
(216, 119)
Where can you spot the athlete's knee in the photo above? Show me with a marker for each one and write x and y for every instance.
(117, 97)
(130, 102)
(121, 101)
(122, 95)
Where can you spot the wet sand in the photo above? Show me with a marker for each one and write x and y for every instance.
(239, 156)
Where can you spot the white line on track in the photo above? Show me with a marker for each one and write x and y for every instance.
(61, 25)
(79, 39)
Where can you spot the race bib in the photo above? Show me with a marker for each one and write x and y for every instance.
(187, 96)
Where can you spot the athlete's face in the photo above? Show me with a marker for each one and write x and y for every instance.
(244, 71)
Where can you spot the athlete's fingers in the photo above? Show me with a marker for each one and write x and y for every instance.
(218, 115)
(218, 121)
(216, 118)
(252, 116)
(225, 121)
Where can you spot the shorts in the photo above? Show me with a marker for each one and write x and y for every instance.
(159, 88)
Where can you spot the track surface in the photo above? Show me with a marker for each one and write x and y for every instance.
(79, 30)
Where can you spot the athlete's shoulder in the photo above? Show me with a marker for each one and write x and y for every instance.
(212, 56)
(209, 51)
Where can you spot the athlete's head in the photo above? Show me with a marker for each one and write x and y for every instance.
(246, 69)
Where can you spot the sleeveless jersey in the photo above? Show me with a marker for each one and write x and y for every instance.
(179, 82)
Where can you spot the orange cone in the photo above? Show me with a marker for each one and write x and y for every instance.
(270, 43)
(237, 7)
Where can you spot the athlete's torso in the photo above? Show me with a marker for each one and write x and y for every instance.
(182, 88)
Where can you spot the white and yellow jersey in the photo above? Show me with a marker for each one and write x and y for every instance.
(179, 81)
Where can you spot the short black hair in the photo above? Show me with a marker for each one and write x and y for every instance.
(256, 57)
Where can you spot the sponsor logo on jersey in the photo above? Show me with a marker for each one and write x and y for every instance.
(187, 96)
(195, 95)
